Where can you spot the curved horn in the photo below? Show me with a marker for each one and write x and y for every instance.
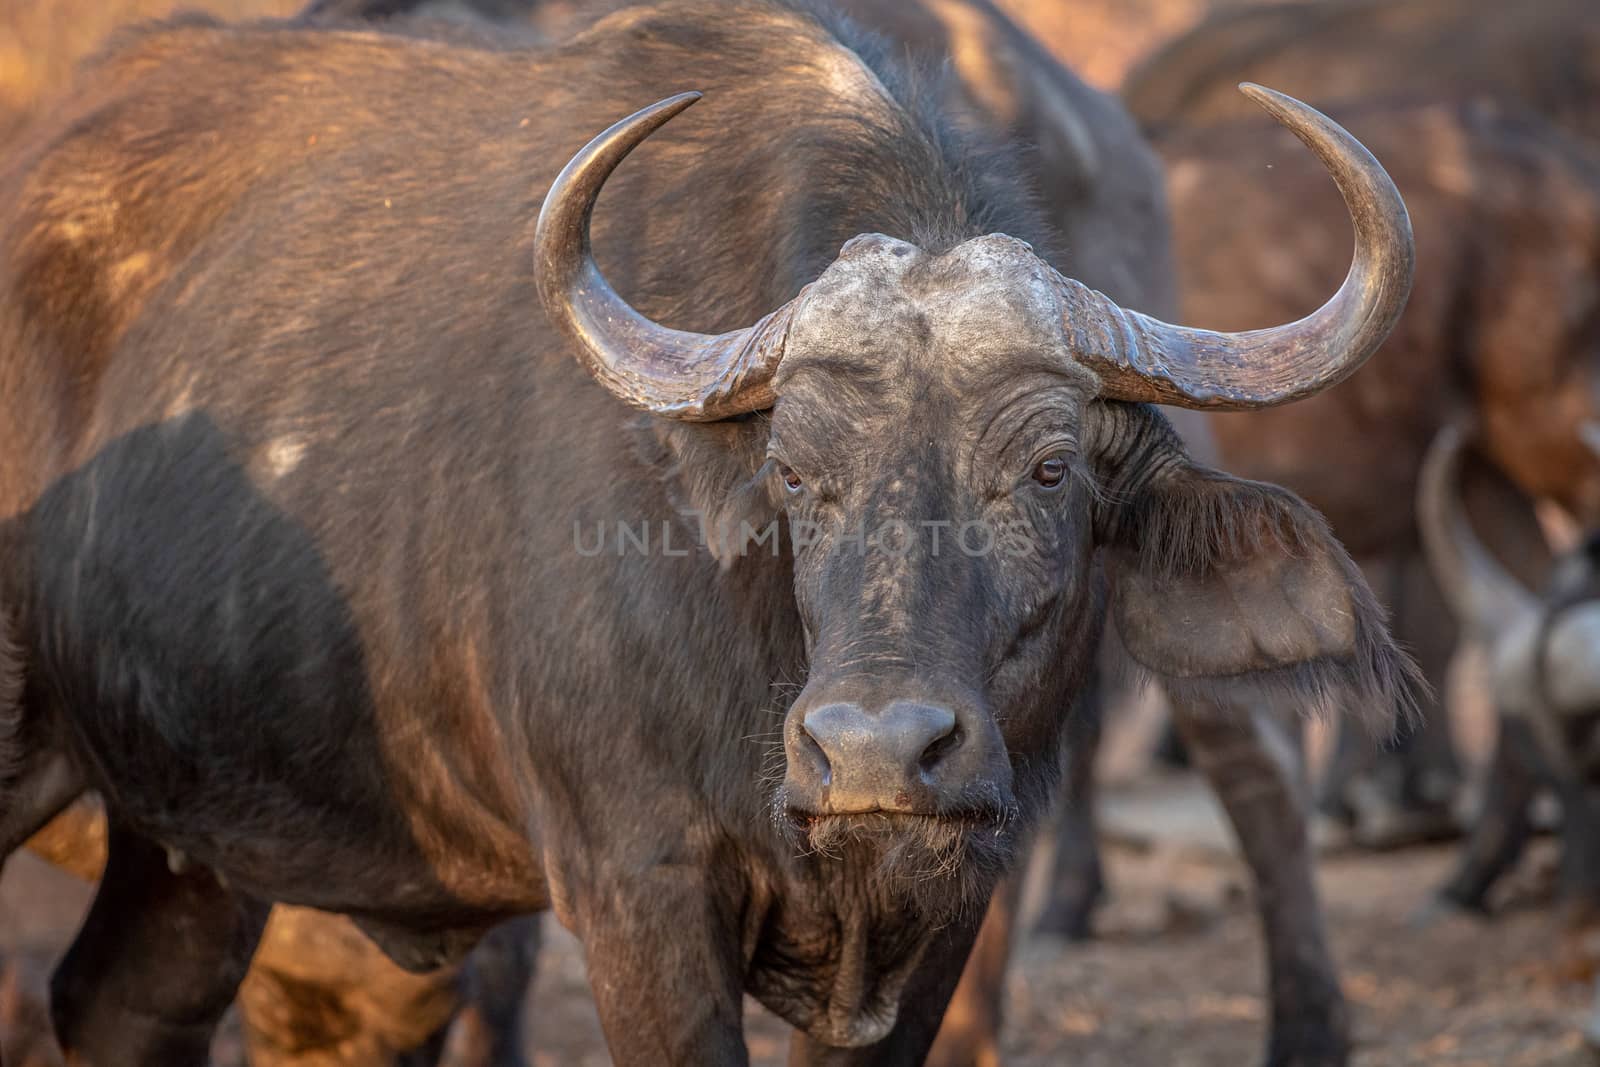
(1487, 599)
(1140, 358)
(682, 375)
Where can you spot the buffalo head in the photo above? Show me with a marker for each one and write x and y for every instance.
(954, 432)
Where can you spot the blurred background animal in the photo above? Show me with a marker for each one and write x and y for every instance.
(1503, 98)
(1542, 647)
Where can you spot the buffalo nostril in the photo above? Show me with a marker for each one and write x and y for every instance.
(833, 733)
(810, 750)
(923, 734)
(938, 749)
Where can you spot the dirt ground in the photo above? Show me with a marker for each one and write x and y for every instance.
(1174, 978)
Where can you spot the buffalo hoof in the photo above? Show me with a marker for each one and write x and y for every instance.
(1070, 917)
(1442, 908)
(1329, 834)
(1310, 1031)
(1379, 815)
(1308, 1047)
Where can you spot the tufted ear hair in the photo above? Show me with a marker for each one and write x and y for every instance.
(1221, 584)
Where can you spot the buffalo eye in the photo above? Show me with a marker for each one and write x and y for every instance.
(1051, 472)
(791, 481)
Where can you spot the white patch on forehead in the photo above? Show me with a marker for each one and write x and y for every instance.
(283, 454)
(992, 296)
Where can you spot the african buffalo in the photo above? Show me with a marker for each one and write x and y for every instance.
(302, 488)
(1538, 57)
(1100, 188)
(318, 990)
(1508, 208)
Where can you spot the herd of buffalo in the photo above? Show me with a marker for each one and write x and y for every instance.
(704, 468)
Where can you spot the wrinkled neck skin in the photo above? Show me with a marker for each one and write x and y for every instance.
(836, 953)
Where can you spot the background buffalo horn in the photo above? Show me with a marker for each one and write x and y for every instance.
(1140, 358)
(693, 376)
(1487, 598)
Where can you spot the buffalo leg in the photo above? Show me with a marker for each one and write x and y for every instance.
(155, 965)
(922, 1008)
(488, 1031)
(666, 969)
(1502, 827)
(970, 1033)
(1580, 853)
(1252, 765)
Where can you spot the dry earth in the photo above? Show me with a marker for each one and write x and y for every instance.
(1175, 977)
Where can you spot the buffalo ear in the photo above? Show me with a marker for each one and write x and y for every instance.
(716, 478)
(1222, 584)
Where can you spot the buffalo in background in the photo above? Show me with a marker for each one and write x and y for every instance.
(1488, 111)
(1543, 651)
(1502, 328)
